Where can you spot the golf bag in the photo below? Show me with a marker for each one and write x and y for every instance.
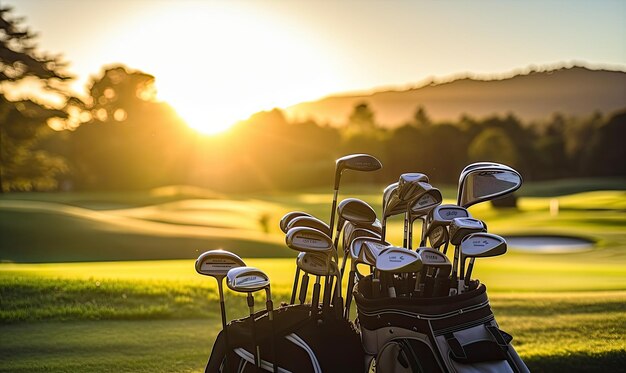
(444, 334)
(303, 344)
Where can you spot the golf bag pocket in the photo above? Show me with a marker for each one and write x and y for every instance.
(459, 333)
(296, 342)
(406, 355)
(477, 346)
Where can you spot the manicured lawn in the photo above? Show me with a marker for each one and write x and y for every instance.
(566, 311)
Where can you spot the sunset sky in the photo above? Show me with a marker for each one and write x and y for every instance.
(218, 62)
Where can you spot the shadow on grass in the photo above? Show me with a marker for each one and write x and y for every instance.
(613, 361)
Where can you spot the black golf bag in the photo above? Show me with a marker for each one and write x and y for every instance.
(444, 334)
(303, 344)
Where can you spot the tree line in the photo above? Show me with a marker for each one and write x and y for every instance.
(120, 137)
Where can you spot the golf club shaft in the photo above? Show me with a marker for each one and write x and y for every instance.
(257, 348)
(468, 275)
(295, 286)
(405, 238)
(220, 289)
(332, 211)
(349, 294)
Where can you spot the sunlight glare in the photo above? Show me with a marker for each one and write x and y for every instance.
(217, 63)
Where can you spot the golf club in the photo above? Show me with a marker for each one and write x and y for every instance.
(459, 229)
(217, 263)
(478, 245)
(356, 162)
(249, 280)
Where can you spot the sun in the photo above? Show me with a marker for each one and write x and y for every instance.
(218, 63)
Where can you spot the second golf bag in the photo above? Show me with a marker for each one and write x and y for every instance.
(444, 334)
(302, 343)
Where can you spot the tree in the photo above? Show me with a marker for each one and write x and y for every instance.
(23, 121)
(493, 144)
(362, 119)
(420, 118)
(131, 141)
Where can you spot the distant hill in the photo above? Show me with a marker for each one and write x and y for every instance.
(533, 96)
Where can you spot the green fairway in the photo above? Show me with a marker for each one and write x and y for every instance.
(566, 311)
(177, 223)
(160, 316)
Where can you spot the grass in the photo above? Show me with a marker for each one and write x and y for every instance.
(160, 316)
(565, 311)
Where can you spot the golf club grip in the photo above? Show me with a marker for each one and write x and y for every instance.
(316, 294)
(349, 294)
(303, 288)
(470, 267)
(327, 292)
(295, 286)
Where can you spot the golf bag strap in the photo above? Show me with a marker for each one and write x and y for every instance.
(409, 353)
(502, 338)
(455, 347)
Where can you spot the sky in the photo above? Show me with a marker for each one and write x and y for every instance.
(217, 62)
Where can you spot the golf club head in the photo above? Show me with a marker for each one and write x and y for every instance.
(480, 245)
(357, 162)
(310, 222)
(430, 199)
(399, 260)
(443, 215)
(376, 227)
(461, 227)
(247, 279)
(217, 263)
(308, 240)
(438, 236)
(364, 250)
(392, 204)
(407, 182)
(356, 211)
(284, 221)
(487, 182)
(370, 250)
(435, 259)
(358, 233)
(317, 264)
(474, 165)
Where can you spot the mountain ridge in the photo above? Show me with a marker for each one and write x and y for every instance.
(534, 95)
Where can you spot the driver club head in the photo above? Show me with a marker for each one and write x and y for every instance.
(486, 181)
(357, 162)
